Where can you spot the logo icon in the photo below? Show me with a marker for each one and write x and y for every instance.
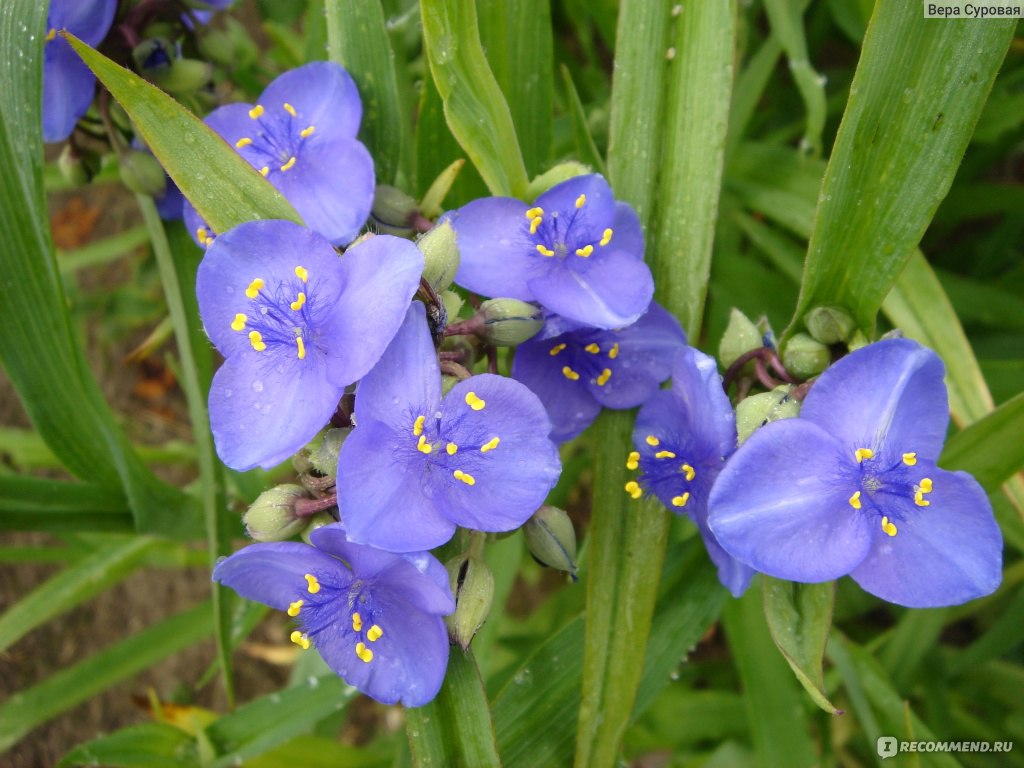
(886, 746)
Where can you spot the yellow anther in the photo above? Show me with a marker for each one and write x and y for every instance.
(51, 35)
(417, 426)
(614, 351)
(474, 402)
(307, 132)
(545, 251)
(603, 378)
(920, 500)
(633, 489)
(535, 224)
(300, 640)
(256, 340)
(302, 273)
(238, 324)
(364, 653)
(297, 304)
(256, 111)
(689, 471)
(374, 633)
(556, 349)
(680, 501)
(289, 109)
(289, 165)
(910, 459)
(357, 622)
(202, 234)
(581, 201)
(254, 288)
(888, 527)
(534, 213)
(664, 455)
(863, 453)
(855, 500)
(465, 477)
(592, 348)
(490, 445)
(423, 446)
(264, 170)
(570, 374)
(633, 460)
(294, 608)
(312, 584)
(245, 141)
(606, 237)
(585, 251)
(925, 485)
(301, 347)
(451, 449)
(652, 441)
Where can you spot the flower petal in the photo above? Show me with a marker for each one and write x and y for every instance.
(88, 20)
(274, 574)
(627, 233)
(323, 95)
(589, 220)
(779, 507)
(948, 553)
(734, 575)
(68, 88)
(888, 392)
(569, 404)
(697, 387)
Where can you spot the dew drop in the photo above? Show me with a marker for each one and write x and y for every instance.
(228, 392)
(257, 386)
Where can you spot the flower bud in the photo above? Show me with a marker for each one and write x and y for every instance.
(551, 539)
(755, 411)
(804, 357)
(319, 520)
(231, 47)
(740, 337)
(473, 586)
(75, 168)
(453, 304)
(554, 177)
(393, 211)
(829, 325)
(141, 173)
(440, 257)
(857, 340)
(507, 322)
(182, 76)
(272, 516)
(324, 457)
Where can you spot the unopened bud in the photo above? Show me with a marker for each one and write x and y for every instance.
(141, 173)
(473, 586)
(440, 257)
(857, 340)
(740, 337)
(393, 211)
(551, 539)
(829, 325)
(555, 176)
(319, 520)
(507, 322)
(804, 357)
(73, 167)
(183, 76)
(453, 304)
(755, 411)
(324, 456)
(272, 516)
(231, 47)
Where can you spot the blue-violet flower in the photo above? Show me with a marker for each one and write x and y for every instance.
(851, 487)
(297, 324)
(576, 251)
(416, 466)
(682, 438)
(374, 617)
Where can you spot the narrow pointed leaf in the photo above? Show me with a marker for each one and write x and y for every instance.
(149, 745)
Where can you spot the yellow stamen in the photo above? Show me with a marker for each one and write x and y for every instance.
(256, 340)
(451, 449)
(633, 460)
(307, 132)
(920, 500)
(423, 446)
(603, 378)
(545, 251)
(888, 527)
(474, 402)
(465, 477)
(592, 348)
(689, 471)
(652, 441)
(863, 453)
(202, 234)
(364, 653)
(855, 500)
(374, 633)
(302, 347)
(264, 170)
(570, 374)
(926, 485)
(245, 141)
(256, 111)
(664, 455)
(302, 273)
(581, 201)
(297, 304)
(556, 349)
(633, 489)
(254, 288)
(910, 459)
(289, 165)
(289, 109)
(585, 251)
(606, 237)
(614, 351)
(312, 584)
(680, 501)
(51, 35)
(417, 426)
(490, 445)
(535, 224)
(300, 640)
(357, 622)
(534, 213)
(294, 608)
(238, 324)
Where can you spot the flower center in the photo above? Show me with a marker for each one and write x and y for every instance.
(455, 459)
(317, 609)
(885, 487)
(553, 236)
(592, 362)
(275, 144)
(279, 317)
(663, 471)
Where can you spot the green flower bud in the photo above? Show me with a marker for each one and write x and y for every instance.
(440, 257)
(757, 410)
(473, 586)
(507, 322)
(319, 520)
(324, 457)
(740, 337)
(74, 167)
(829, 325)
(231, 47)
(805, 357)
(555, 176)
(857, 340)
(393, 211)
(183, 76)
(272, 516)
(551, 539)
(453, 304)
(141, 173)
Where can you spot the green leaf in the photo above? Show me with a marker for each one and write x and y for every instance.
(59, 506)
(799, 618)
(150, 745)
(223, 187)
(914, 100)
(477, 113)
(357, 39)
(101, 251)
(586, 150)
(990, 449)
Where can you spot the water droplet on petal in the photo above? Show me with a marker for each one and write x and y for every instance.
(257, 386)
